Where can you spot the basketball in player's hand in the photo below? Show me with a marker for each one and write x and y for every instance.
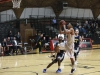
(62, 22)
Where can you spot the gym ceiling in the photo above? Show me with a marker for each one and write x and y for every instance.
(94, 5)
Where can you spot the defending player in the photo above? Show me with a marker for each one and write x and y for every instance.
(70, 41)
(60, 50)
(77, 42)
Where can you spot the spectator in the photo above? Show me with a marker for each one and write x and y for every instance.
(92, 28)
(44, 42)
(14, 45)
(4, 46)
(78, 24)
(89, 35)
(86, 25)
(9, 45)
(84, 31)
(10, 34)
(97, 28)
(80, 30)
(89, 22)
(18, 37)
(54, 22)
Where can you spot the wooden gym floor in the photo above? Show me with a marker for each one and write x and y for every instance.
(33, 64)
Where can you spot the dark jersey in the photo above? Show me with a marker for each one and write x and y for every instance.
(4, 44)
(77, 41)
(60, 54)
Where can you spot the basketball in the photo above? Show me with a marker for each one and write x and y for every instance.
(62, 22)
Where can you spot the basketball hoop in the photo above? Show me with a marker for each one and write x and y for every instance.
(16, 3)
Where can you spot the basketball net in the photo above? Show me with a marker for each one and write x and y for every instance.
(16, 3)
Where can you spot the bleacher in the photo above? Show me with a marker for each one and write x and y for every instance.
(44, 25)
(5, 28)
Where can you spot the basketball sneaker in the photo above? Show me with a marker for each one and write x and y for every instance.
(72, 71)
(75, 62)
(58, 71)
(44, 70)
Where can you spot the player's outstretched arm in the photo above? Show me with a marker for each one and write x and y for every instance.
(68, 31)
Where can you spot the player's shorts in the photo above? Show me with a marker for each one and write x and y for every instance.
(76, 50)
(70, 50)
(59, 56)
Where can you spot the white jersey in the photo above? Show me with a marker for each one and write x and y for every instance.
(62, 46)
(70, 45)
(70, 38)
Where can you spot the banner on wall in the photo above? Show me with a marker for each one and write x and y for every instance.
(86, 43)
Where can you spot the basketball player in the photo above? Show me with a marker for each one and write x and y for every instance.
(60, 50)
(70, 41)
(77, 42)
(52, 56)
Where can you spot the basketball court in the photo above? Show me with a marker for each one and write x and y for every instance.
(33, 64)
